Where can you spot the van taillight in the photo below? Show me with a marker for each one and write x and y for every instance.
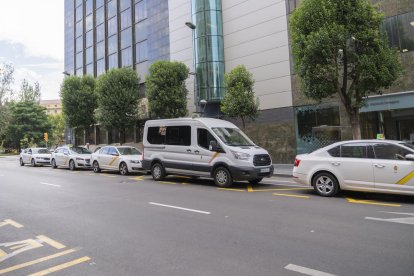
(297, 162)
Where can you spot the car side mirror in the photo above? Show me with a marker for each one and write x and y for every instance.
(409, 157)
(114, 154)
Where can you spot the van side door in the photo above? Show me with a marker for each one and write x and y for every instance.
(179, 150)
(204, 157)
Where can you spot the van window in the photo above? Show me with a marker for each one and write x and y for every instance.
(178, 135)
(156, 135)
(204, 137)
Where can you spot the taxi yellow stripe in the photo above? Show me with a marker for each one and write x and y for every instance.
(214, 156)
(406, 178)
(113, 160)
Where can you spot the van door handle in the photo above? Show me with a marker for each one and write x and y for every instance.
(336, 163)
(188, 150)
(379, 165)
(196, 152)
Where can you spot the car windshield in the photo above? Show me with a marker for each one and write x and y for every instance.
(232, 136)
(80, 150)
(41, 151)
(129, 151)
(408, 145)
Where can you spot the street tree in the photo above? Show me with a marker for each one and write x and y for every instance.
(6, 80)
(29, 92)
(338, 49)
(28, 121)
(57, 132)
(239, 100)
(118, 97)
(165, 89)
(79, 101)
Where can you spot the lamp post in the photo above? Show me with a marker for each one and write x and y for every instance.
(203, 103)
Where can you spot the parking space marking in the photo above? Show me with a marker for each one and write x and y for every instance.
(167, 182)
(405, 220)
(107, 175)
(51, 242)
(290, 195)
(61, 266)
(48, 184)
(10, 222)
(40, 260)
(229, 189)
(307, 271)
(180, 208)
(280, 189)
(371, 202)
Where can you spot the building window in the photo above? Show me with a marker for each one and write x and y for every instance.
(89, 39)
(79, 28)
(112, 44)
(99, 3)
(79, 71)
(100, 50)
(78, 2)
(141, 11)
(142, 51)
(79, 60)
(100, 32)
(125, 4)
(126, 19)
(112, 26)
(400, 31)
(126, 57)
(89, 55)
(112, 9)
(141, 31)
(113, 61)
(79, 13)
(100, 16)
(100, 67)
(79, 44)
(126, 38)
(88, 6)
(89, 69)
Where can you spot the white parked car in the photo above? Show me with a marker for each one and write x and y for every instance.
(71, 157)
(361, 165)
(35, 156)
(123, 159)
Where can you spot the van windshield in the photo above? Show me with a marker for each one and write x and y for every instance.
(232, 136)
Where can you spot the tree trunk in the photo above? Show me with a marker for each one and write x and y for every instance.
(355, 124)
(244, 124)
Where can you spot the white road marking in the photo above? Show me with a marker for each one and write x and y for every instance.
(307, 271)
(54, 185)
(409, 220)
(408, 214)
(180, 208)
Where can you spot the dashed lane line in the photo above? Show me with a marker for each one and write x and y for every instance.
(180, 208)
(306, 271)
(61, 266)
(48, 184)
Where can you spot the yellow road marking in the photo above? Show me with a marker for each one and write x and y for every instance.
(2, 253)
(281, 189)
(138, 178)
(249, 188)
(18, 246)
(371, 202)
(107, 175)
(10, 222)
(406, 178)
(290, 195)
(183, 183)
(61, 266)
(19, 266)
(51, 242)
(228, 189)
(166, 182)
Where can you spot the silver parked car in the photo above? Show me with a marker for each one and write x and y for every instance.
(71, 157)
(35, 156)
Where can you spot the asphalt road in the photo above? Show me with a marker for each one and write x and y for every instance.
(81, 223)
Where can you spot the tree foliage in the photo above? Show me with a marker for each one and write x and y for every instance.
(29, 92)
(166, 90)
(339, 49)
(28, 121)
(57, 131)
(79, 101)
(118, 96)
(239, 100)
(6, 80)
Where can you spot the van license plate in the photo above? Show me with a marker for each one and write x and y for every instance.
(265, 170)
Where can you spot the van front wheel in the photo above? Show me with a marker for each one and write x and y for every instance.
(222, 177)
(158, 172)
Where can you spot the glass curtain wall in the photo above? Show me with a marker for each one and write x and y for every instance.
(208, 50)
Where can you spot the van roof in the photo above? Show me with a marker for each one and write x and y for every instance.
(209, 122)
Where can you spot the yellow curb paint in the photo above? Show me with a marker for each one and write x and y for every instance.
(61, 266)
(11, 222)
(290, 195)
(228, 189)
(282, 189)
(40, 260)
(166, 182)
(370, 202)
(250, 189)
(406, 178)
(137, 178)
(51, 242)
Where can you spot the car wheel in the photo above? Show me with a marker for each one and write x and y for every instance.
(96, 168)
(222, 177)
(255, 181)
(325, 184)
(158, 172)
(72, 165)
(123, 168)
(54, 164)
(21, 162)
(33, 163)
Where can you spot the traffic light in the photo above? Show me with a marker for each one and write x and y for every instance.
(46, 136)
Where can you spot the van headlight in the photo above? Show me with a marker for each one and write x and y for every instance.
(241, 155)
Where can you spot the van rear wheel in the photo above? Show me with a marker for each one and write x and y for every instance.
(222, 177)
(158, 172)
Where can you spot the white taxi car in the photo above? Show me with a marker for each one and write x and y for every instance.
(123, 159)
(35, 156)
(71, 157)
(361, 165)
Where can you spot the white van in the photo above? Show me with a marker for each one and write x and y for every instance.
(203, 147)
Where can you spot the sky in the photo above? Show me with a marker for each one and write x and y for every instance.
(32, 39)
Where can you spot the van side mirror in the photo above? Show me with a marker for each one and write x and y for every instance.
(215, 147)
(409, 157)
